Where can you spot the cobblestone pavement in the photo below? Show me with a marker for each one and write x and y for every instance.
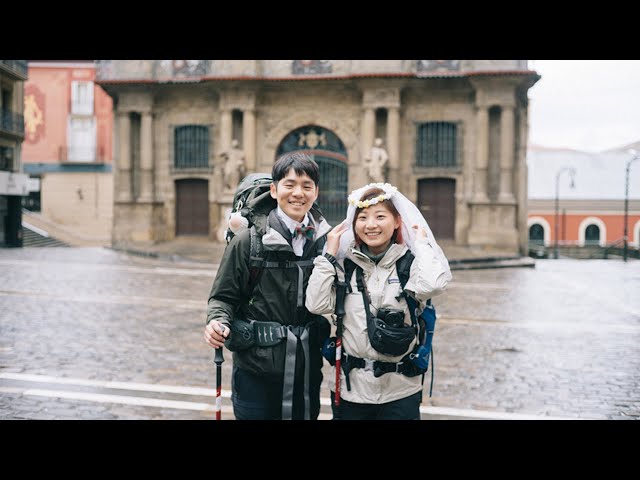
(90, 333)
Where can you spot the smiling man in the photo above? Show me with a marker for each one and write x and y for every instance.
(256, 305)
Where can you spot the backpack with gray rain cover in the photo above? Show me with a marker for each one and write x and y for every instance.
(253, 200)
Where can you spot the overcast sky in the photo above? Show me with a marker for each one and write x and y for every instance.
(589, 105)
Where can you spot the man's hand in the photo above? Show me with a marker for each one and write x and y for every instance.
(215, 333)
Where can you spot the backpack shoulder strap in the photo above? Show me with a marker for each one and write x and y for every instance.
(403, 267)
(349, 267)
(256, 259)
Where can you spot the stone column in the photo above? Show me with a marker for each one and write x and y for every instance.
(123, 184)
(393, 143)
(507, 149)
(146, 157)
(482, 155)
(368, 130)
(249, 138)
(225, 130)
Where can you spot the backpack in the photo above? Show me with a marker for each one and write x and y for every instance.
(425, 322)
(252, 199)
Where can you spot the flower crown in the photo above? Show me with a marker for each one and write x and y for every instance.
(354, 198)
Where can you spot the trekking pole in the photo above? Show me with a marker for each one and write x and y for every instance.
(341, 288)
(218, 361)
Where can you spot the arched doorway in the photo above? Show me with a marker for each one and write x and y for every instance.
(437, 203)
(192, 207)
(592, 235)
(536, 234)
(330, 154)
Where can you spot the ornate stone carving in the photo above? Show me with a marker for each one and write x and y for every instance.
(311, 67)
(312, 139)
(438, 65)
(189, 68)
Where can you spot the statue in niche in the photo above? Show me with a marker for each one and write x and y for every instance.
(234, 168)
(376, 162)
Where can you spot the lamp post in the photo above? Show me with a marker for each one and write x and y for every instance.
(626, 198)
(572, 172)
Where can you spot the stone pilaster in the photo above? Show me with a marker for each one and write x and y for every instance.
(482, 155)
(123, 184)
(507, 149)
(393, 143)
(146, 157)
(249, 138)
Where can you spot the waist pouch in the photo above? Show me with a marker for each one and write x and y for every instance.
(277, 353)
(388, 340)
(249, 333)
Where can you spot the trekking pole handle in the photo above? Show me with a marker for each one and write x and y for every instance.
(219, 358)
(341, 290)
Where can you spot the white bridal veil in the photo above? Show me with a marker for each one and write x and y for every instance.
(410, 216)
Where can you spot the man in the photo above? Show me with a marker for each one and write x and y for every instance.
(276, 342)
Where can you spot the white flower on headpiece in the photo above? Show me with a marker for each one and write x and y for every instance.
(387, 187)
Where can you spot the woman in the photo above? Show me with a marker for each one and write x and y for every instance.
(374, 237)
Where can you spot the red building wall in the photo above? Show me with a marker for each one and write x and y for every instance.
(614, 225)
(47, 108)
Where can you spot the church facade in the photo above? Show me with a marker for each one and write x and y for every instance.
(454, 131)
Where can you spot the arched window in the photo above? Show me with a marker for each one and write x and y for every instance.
(326, 148)
(592, 235)
(536, 234)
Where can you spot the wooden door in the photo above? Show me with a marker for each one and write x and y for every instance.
(192, 207)
(437, 203)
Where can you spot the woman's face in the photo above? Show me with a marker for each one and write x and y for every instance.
(375, 226)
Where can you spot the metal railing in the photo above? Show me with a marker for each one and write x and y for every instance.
(81, 154)
(11, 122)
(617, 248)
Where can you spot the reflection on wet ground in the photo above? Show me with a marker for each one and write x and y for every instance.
(558, 340)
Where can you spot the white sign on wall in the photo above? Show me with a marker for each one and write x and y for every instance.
(33, 184)
(14, 183)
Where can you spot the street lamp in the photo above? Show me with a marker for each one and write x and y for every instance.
(626, 198)
(572, 172)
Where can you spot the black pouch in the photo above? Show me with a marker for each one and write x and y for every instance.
(388, 339)
(242, 336)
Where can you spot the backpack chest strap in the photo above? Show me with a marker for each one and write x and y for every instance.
(378, 367)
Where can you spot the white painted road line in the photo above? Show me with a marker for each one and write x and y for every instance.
(183, 405)
(150, 270)
(140, 387)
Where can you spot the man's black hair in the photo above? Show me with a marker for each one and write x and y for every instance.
(301, 164)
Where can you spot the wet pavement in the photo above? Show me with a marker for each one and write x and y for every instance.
(93, 333)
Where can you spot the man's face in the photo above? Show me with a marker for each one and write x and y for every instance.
(295, 194)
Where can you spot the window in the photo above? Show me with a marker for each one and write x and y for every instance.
(436, 144)
(82, 98)
(6, 159)
(536, 234)
(191, 148)
(592, 235)
(81, 139)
